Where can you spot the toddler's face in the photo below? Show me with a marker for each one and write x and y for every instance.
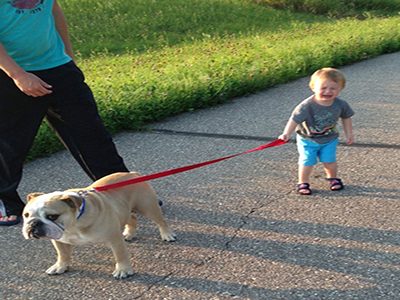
(326, 90)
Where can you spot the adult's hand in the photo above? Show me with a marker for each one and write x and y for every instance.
(32, 85)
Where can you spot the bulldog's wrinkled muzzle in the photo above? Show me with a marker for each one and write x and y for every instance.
(37, 229)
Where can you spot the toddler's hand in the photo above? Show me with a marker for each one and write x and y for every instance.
(284, 137)
(350, 139)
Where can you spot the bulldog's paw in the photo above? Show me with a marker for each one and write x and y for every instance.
(57, 269)
(168, 236)
(128, 234)
(122, 272)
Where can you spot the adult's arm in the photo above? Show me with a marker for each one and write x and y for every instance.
(27, 82)
(62, 28)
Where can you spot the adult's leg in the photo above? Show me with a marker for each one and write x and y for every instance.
(20, 118)
(74, 116)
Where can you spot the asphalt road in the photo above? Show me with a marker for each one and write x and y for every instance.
(243, 233)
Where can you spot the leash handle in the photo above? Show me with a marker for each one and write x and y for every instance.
(169, 172)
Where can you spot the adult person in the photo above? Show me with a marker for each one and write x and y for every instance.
(39, 79)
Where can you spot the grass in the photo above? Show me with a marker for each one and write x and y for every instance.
(339, 8)
(119, 26)
(146, 60)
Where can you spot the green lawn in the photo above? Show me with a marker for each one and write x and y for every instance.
(149, 59)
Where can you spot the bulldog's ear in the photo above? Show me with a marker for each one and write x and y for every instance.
(72, 201)
(33, 195)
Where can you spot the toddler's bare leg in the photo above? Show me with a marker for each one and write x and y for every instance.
(304, 173)
(330, 170)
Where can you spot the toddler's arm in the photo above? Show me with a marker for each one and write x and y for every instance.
(348, 130)
(288, 131)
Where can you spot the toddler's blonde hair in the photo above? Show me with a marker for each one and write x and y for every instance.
(328, 73)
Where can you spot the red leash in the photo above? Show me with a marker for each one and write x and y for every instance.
(183, 169)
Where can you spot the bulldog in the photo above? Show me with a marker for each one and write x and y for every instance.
(83, 215)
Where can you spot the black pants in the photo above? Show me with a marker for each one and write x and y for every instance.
(70, 110)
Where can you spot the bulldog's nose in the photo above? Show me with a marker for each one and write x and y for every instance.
(36, 229)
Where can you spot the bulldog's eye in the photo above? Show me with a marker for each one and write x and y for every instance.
(26, 215)
(52, 217)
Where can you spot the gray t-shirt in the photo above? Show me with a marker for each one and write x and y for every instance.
(317, 122)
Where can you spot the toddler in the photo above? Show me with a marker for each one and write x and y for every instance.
(315, 120)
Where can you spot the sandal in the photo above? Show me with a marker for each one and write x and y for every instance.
(4, 215)
(9, 222)
(303, 189)
(335, 184)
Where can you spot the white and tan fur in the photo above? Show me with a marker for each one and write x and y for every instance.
(108, 217)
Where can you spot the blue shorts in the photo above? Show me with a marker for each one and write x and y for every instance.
(310, 152)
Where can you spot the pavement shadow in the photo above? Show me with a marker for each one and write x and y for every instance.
(369, 264)
(369, 192)
(227, 219)
(377, 270)
(243, 291)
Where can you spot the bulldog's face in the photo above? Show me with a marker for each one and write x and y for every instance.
(49, 215)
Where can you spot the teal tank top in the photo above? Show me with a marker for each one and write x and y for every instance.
(28, 33)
